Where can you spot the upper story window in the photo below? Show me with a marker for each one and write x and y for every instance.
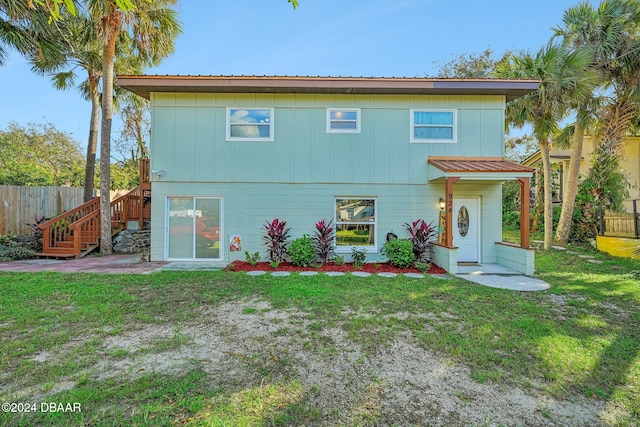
(249, 124)
(433, 126)
(343, 120)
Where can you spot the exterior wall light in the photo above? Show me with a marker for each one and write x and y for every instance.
(442, 203)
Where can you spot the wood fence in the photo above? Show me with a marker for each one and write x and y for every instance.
(621, 224)
(19, 205)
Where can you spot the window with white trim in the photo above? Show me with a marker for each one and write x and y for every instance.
(355, 220)
(249, 124)
(433, 126)
(343, 120)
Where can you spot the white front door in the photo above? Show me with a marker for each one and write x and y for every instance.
(466, 229)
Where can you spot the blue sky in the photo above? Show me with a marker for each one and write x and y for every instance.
(390, 38)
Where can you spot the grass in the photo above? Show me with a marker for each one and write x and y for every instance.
(580, 338)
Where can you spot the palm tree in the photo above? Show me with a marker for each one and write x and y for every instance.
(153, 28)
(26, 30)
(83, 50)
(609, 32)
(621, 66)
(561, 80)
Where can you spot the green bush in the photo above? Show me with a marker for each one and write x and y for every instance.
(301, 251)
(399, 252)
(358, 256)
(338, 259)
(422, 266)
(14, 247)
(252, 259)
(511, 219)
(15, 253)
(8, 239)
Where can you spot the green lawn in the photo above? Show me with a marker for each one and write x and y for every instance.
(580, 338)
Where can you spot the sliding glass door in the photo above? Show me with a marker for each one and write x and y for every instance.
(194, 227)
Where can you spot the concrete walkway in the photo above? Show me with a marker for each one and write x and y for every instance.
(117, 264)
(498, 276)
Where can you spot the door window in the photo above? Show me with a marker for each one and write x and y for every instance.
(463, 221)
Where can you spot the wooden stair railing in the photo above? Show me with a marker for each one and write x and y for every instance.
(57, 234)
(77, 232)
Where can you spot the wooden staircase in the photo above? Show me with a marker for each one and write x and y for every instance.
(77, 232)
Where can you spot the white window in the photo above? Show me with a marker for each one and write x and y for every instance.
(433, 126)
(249, 124)
(343, 120)
(355, 224)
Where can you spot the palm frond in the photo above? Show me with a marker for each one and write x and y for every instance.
(63, 80)
(564, 137)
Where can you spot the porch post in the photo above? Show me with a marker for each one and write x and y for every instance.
(524, 211)
(448, 213)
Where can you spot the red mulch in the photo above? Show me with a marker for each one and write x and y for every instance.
(347, 267)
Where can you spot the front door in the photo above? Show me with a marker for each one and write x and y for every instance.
(466, 229)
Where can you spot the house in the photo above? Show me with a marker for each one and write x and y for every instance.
(629, 163)
(230, 153)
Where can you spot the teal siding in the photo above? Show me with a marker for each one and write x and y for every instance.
(297, 176)
(189, 138)
(247, 206)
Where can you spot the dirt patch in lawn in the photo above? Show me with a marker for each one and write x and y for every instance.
(245, 344)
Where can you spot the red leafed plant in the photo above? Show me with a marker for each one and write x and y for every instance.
(276, 239)
(323, 240)
(421, 235)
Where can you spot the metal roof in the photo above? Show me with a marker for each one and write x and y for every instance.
(477, 164)
(145, 85)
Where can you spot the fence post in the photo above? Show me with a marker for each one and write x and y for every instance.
(636, 219)
(601, 211)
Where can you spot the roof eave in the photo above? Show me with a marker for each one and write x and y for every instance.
(145, 85)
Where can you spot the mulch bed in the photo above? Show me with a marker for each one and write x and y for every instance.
(347, 267)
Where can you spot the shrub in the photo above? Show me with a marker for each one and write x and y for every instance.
(252, 258)
(323, 239)
(511, 219)
(338, 259)
(358, 256)
(36, 233)
(275, 239)
(11, 249)
(301, 251)
(8, 239)
(422, 266)
(400, 252)
(421, 235)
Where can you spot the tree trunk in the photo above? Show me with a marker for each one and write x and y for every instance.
(142, 149)
(548, 207)
(92, 144)
(571, 187)
(538, 202)
(106, 246)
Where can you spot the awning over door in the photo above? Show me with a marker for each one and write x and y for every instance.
(476, 168)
